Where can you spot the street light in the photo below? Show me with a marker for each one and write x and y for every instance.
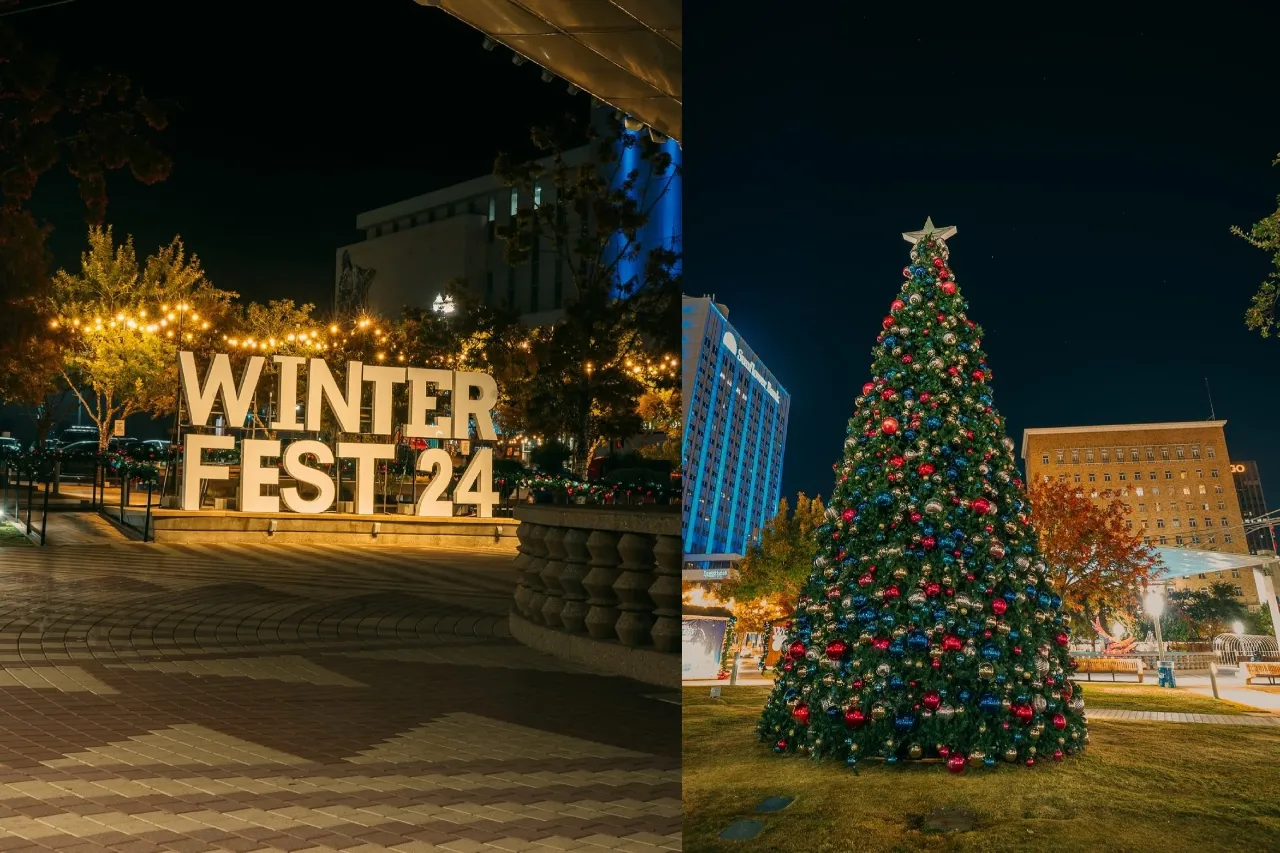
(1154, 605)
(1237, 628)
(443, 304)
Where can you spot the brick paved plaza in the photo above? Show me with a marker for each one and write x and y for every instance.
(194, 698)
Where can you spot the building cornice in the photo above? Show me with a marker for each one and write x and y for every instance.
(1027, 433)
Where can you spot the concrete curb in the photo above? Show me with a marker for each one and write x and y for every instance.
(613, 658)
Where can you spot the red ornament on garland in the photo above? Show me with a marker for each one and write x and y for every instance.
(999, 606)
(1023, 713)
(887, 322)
(951, 643)
(836, 649)
(1059, 722)
(854, 718)
(981, 506)
(849, 515)
(932, 588)
(796, 650)
(897, 305)
(897, 461)
(800, 714)
(948, 287)
(1057, 755)
(868, 388)
(926, 469)
(931, 700)
(956, 763)
(889, 426)
(892, 591)
(1062, 639)
(937, 262)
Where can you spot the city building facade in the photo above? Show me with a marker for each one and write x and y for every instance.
(1253, 503)
(735, 430)
(1175, 478)
(410, 251)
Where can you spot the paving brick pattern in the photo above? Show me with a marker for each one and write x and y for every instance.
(289, 698)
(1262, 720)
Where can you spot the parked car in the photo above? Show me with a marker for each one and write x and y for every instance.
(73, 434)
(7, 443)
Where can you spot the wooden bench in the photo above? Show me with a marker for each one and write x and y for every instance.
(1269, 670)
(1089, 666)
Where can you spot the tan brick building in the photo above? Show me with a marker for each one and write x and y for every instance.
(1175, 477)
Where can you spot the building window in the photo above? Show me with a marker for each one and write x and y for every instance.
(1164, 540)
(1235, 590)
(537, 195)
(1106, 455)
(1093, 478)
(1235, 573)
(1213, 472)
(515, 202)
(1191, 522)
(1062, 478)
(1152, 476)
(1180, 452)
(1138, 491)
(1164, 453)
(1168, 475)
(1044, 458)
(1044, 478)
(1088, 456)
(1151, 454)
(1202, 577)
(1146, 525)
(1195, 451)
(1217, 490)
(1224, 521)
(1178, 539)
(1137, 475)
(1123, 475)
(1209, 451)
(1077, 476)
(1093, 493)
(1106, 476)
(1059, 455)
(1208, 521)
(1226, 537)
(1075, 457)
(1155, 490)
(1222, 505)
(1133, 454)
(1182, 475)
(1146, 540)
(1142, 507)
(1195, 540)
(1160, 523)
(1128, 523)
(1199, 473)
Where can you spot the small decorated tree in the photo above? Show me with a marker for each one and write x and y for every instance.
(928, 626)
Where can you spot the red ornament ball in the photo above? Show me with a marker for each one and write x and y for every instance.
(854, 718)
(944, 751)
(926, 469)
(978, 375)
(868, 388)
(889, 426)
(932, 588)
(800, 714)
(981, 506)
(956, 763)
(1031, 762)
(892, 591)
(1023, 713)
(937, 262)
(897, 461)
(836, 649)
(880, 644)
(796, 650)
(1062, 639)
(928, 542)
(887, 322)
(951, 643)
(1059, 722)
(897, 305)
(931, 700)
(1057, 755)
(948, 287)
(849, 515)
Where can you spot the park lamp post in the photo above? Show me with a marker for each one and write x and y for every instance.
(1154, 605)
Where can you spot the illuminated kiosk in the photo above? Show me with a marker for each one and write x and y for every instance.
(297, 502)
(1187, 562)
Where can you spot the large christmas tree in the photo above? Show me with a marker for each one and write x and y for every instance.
(927, 627)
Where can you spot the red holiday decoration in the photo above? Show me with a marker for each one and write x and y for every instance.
(1062, 639)
(800, 714)
(867, 388)
(796, 650)
(849, 515)
(1059, 722)
(887, 322)
(932, 588)
(1057, 755)
(937, 262)
(981, 506)
(892, 591)
(897, 305)
(889, 426)
(896, 461)
(925, 469)
(854, 718)
(928, 542)
(836, 649)
(1023, 713)
(948, 287)
(931, 700)
(951, 643)
(956, 763)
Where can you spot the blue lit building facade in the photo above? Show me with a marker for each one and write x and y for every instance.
(735, 429)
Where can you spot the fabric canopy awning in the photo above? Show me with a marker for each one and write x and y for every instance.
(1185, 562)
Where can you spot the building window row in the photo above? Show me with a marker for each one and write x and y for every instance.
(1104, 455)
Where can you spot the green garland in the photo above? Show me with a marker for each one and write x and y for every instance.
(597, 493)
(726, 649)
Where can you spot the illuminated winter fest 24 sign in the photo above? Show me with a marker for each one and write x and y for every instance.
(472, 397)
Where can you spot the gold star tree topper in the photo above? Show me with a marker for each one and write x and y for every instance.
(944, 233)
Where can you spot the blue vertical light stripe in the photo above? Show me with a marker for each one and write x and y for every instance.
(706, 437)
(738, 478)
(769, 499)
(720, 469)
(759, 516)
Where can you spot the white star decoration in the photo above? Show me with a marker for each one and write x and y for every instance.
(944, 233)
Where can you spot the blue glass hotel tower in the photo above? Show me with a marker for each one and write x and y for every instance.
(735, 428)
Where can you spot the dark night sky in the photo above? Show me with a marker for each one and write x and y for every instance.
(1093, 169)
(293, 117)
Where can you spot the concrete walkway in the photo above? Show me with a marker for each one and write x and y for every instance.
(1264, 720)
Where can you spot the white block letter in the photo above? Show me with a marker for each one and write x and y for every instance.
(253, 476)
(320, 383)
(383, 378)
(218, 381)
(296, 468)
(482, 407)
(365, 455)
(421, 425)
(195, 472)
(288, 410)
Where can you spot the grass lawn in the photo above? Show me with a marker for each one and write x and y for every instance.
(10, 536)
(1139, 697)
(1140, 787)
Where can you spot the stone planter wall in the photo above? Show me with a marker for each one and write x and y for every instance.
(601, 586)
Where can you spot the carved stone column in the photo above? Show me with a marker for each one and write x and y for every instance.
(550, 574)
(665, 593)
(603, 603)
(532, 569)
(632, 589)
(520, 563)
(573, 616)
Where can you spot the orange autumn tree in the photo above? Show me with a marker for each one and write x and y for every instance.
(1095, 561)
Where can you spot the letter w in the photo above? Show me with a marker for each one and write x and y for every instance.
(218, 381)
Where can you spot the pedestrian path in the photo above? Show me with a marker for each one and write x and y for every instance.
(1263, 720)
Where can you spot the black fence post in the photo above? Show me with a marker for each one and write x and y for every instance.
(146, 523)
(31, 495)
(44, 512)
(122, 491)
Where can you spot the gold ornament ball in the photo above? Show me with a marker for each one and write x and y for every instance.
(915, 750)
(1011, 755)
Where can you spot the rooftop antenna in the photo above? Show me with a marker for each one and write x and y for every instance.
(1212, 416)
